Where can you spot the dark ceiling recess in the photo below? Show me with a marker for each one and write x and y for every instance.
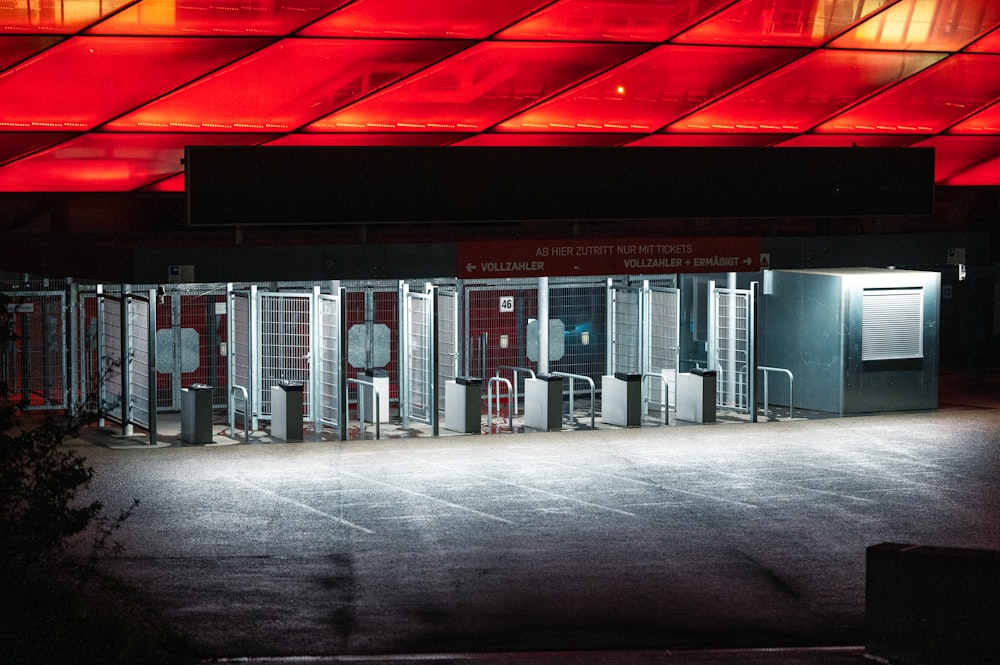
(277, 186)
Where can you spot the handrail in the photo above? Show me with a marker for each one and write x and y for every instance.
(791, 381)
(593, 394)
(361, 405)
(489, 402)
(246, 410)
(666, 394)
(515, 370)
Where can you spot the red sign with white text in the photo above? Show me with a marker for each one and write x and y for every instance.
(637, 256)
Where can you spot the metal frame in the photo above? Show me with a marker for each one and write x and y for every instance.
(418, 375)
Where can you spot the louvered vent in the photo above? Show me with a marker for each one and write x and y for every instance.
(892, 324)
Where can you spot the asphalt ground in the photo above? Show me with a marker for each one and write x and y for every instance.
(733, 542)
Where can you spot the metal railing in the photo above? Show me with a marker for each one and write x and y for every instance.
(593, 394)
(516, 371)
(791, 381)
(246, 411)
(361, 405)
(666, 396)
(489, 403)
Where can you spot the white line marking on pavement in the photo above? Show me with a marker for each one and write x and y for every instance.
(425, 496)
(301, 505)
(650, 483)
(528, 488)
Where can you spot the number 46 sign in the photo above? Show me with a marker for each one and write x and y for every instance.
(506, 303)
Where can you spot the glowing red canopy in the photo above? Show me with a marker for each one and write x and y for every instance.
(104, 95)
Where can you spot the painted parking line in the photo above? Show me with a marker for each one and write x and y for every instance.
(406, 490)
(299, 504)
(526, 488)
(649, 483)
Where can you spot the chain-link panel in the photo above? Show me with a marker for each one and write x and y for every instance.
(329, 366)
(625, 348)
(32, 360)
(664, 341)
(138, 367)
(419, 356)
(285, 344)
(732, 348)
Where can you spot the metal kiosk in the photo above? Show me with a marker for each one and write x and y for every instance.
(463, 409)
(286, 411)
(196, 413)
(621, 399)
(696, 396)
(543, 402)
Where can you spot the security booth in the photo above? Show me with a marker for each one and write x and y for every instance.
(856, 340)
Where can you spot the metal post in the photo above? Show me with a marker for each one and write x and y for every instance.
(543, 325)
(175, 333)
(126, 368)
(343, 399)
(404, 355)
(609, 339)
(752, 349)
(99, 345)
(312, 363)
(731, 371)
(433, 360)
(72, 313)
(151, 364)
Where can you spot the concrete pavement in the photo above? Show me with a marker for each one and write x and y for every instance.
(675, 545)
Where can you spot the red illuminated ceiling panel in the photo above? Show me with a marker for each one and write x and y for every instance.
(799, 96)
(108, 162)
(330, 140)
(545, 140)
(789, 23)
(449, 19)
(930, 102)
(63, 17)
(925, 25)
(15, 49)
(707, 140)
(635, 20)
(956, 155)
(104, 94)
(86, 81)
(648, 92)
(849, 141)
(24, 143)
(988, 44)
(987, 173)
(477, 88)
(257, 94)
(247, 18)
(984, 122)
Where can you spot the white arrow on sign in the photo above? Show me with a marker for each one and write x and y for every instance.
(469, 267)
(747, 261)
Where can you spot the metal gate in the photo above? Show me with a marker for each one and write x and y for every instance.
(730, 346)
(191, 335)
(663, 346)
(139, 370)
(32, 360)
(418, 350)
(645, 338)
(241, 332)
(109, 353)
(624, 342)
(271, 343)
(331, 387)
(449, 360)
(126, 351)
